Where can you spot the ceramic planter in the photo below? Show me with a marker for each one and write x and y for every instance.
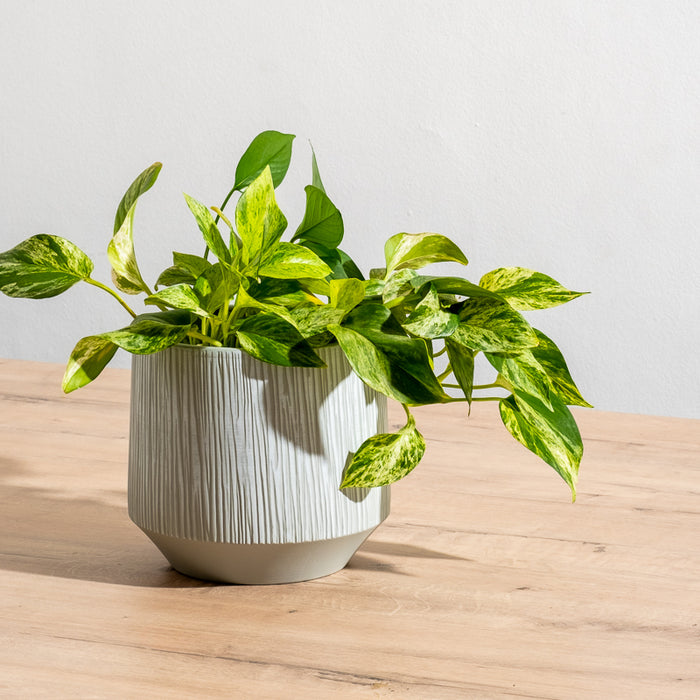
(234, 464)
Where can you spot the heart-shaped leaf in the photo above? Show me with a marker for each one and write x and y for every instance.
(493, 326)
(209, 229)
(415, 250)
(322, 222)
(180, 296)
(292, 261)
(141, 184)
(385, 458)
(125, 270)
(42, 266)
(428, 320)
(270, 149)
(527, 290)
(88, 359)
(270, 338)
(259, 221)
(551, 434)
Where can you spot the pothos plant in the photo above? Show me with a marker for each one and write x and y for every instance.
(280, 301)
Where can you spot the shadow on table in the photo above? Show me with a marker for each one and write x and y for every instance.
(47, 533)
(391, 550)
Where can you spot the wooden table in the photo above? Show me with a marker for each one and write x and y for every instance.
(485, 582)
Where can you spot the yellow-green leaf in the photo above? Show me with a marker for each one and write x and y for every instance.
(414, 250)
(125, 270)
(385, 458)
(292, 261)
(42, 266)
(88, 359)
(527, 290)
(259, 221)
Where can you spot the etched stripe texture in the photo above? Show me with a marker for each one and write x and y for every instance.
(224, 448)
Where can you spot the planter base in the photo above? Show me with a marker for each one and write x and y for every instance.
(258, 563)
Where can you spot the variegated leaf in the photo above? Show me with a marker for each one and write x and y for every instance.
(245, 301)
(401, 286)
(209, 229)
(347, 293)
(386, 359)
(42, 266)
(291, 261)
(551, 434)
(215, 287)
(269, 338)
(88, 359)
(385, 458)
(493, 326)
(415, 250)
(149, 333)
(428, 320)
(287, 293)
(522, 371)
(527, 290)
(259, 221)
(551, 359)
(270, 149)
(174, 275)
(125, 270)
(192, 263)
(141, 184)
(312, 322)
(180, 296)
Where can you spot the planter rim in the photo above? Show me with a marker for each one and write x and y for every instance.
(215, 350)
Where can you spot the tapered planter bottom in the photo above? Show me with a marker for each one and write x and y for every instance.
(257, 564)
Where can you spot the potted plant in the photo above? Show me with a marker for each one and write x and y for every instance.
(258, 444)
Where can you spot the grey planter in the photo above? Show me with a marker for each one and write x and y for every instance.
(234, 464)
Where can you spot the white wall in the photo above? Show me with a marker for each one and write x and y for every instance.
(561, 136)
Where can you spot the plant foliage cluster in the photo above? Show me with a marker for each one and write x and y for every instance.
(280, 301)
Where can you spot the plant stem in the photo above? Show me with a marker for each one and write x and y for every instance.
(205, 339)
(95, 283)
(451, 386)
(494, 385)
(445, 374)
(440, 352)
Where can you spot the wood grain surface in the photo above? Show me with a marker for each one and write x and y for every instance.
(485, 581)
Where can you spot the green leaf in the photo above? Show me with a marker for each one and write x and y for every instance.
(461, 287)
(259, 220)
(313, 321)
(322, 222)
(270, 149)
(526, 290)
(141, 184)
(551, 434)
(493, 326)
(215, 287)
(180, 296)
(552, 361)
(414, 250)
(385, 458)
(462, 363)
(341, 264)
(523, 372)
(291, 261)
(282, 292)
(385, 358)
(148, 333)
(315, 174)
(185, 270)
(209, 229)
(89, 357)
(428, 320)
(120, 251)
(42, 266)
(192, 263)
(174, 275)
(245, 301)
(269, 338)
(402, 286)
(346, 293)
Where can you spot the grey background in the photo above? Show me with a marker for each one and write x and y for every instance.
(560, 136)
